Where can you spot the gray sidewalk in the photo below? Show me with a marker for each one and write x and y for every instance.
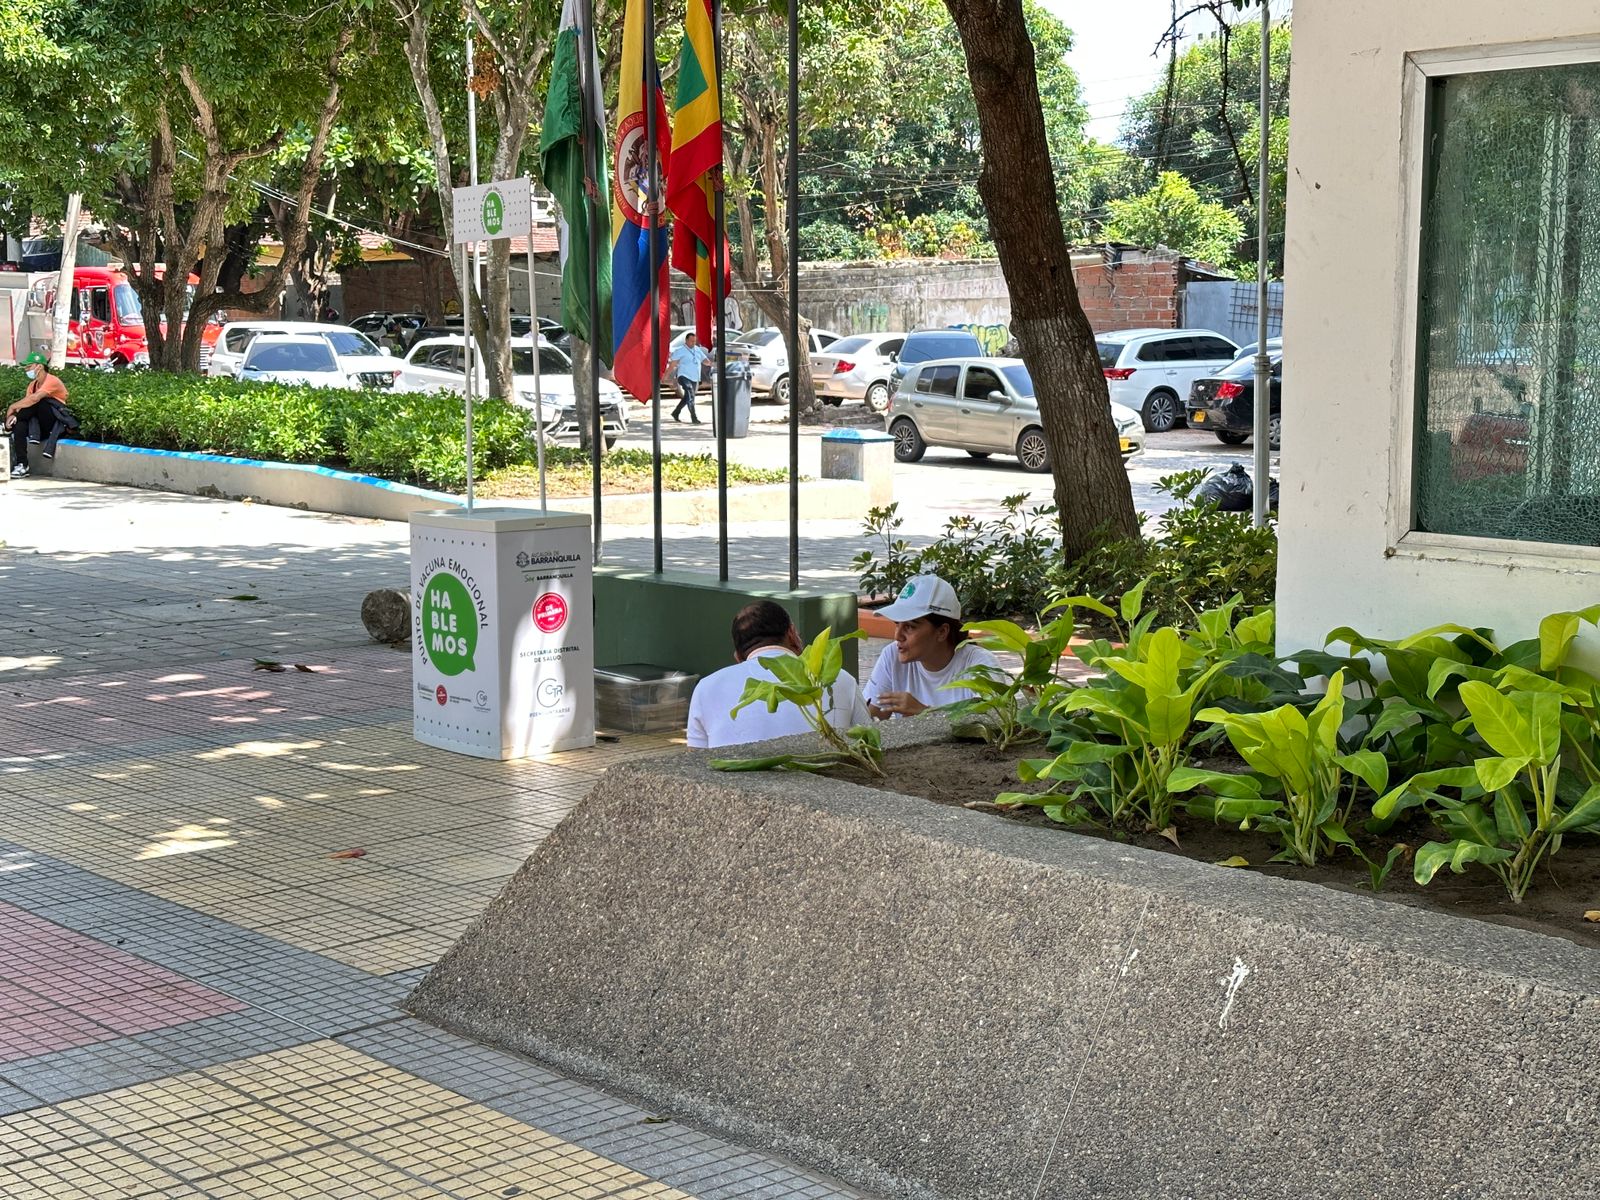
(218, 882)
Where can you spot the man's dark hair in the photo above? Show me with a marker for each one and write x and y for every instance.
(760, 623)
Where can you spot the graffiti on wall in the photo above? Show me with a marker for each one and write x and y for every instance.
(867, 316)
(993, 338)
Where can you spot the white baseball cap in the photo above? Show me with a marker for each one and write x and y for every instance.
(923, 596)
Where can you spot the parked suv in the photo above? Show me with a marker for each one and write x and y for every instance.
(1152, 370)
(983, 406)
(857, 368)
(921, 345)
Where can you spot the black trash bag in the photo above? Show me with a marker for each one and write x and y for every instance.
(1231, 490)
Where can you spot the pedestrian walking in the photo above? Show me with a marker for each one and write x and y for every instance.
(686, 364)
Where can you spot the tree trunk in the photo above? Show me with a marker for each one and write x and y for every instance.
(580, 391)
(1019, 192)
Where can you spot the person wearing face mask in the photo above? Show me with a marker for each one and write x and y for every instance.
(40, 417)
(930, 650)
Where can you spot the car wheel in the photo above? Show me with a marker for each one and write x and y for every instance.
(1232, 439)
(1274, 428)
(1161, 411)
(877, 397)
(1033, 452)
(978, 454)
(780, 390)
(908, 444)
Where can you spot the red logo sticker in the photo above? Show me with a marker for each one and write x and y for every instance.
(441, 695)
(549, 612)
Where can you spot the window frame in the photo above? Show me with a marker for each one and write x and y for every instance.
(1421, 69)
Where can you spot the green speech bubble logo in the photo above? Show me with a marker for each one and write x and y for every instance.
(494, 213)
(449, 624)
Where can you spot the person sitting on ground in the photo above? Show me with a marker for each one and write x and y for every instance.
(762, 629)
(40, 417)
(930, 649)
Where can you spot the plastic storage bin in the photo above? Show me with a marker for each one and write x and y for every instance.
(642, 698)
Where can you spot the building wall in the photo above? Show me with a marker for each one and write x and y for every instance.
(1118, 290)
(1346, 557)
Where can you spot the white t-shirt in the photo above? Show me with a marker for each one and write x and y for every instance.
(891, 675)
(716, 695)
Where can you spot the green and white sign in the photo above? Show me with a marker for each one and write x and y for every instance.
(501, 209)
(502, 637)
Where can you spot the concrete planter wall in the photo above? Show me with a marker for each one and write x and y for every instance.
(930, 1001)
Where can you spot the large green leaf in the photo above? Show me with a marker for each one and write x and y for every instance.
(1412, 791)
(1510, 818)
(1495, 773)
(1256, 629)
(1396, 715)
(1001, 635)
(1543, 713)
(1133, 601)
(1497, 720)
(1223, 783)
(1367, 765)
(1556, 632)
(1584, 816)
(1456, 855)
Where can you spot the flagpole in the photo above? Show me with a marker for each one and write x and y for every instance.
(538, 339)
(718, 274)
(795, 348)
(586, 59)
(653, 199)
(469, 284)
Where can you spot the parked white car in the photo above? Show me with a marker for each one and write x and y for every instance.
(767, 355)
(983, 406)
(1152, 370)
(857, 368)
(439, 365)
(294, 358)
(358, 356)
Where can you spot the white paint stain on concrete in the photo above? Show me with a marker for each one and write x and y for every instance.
(1132, 954)
(1239, 974)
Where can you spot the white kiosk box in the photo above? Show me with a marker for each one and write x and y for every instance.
(502, 652)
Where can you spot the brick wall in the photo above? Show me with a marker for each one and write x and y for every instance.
(1130, 289)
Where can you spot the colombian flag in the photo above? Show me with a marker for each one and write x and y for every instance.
(633, 194)
(696, 155)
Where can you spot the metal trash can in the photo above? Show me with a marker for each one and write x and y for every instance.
(736, 410)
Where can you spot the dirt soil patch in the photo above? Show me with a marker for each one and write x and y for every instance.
(966, 774)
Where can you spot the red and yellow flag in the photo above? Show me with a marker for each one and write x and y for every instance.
(696, 155)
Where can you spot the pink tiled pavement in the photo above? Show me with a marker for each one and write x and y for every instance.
(60, 989)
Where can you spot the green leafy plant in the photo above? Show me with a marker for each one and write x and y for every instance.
(1122, 737)
(1512, 807)
(806, 681)
(1301, 784)
(1003, 712)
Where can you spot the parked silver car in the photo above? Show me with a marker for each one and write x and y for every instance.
(1152, 370)
(983, 406)
(857, 368)
(767, 354)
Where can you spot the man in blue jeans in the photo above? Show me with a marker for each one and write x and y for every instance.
(686, 364)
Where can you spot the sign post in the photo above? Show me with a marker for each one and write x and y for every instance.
(502, 646)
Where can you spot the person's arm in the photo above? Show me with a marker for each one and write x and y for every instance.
(878, 685)
(696, 735)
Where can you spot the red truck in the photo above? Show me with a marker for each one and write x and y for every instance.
(106, 324)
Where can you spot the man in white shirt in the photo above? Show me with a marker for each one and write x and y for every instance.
(762, 628)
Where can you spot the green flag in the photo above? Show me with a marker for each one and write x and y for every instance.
(561, 163)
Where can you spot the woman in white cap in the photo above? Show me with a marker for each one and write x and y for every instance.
(929, 651)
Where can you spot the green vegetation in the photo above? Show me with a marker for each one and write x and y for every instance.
(567, 473)
(805, 680)
(1490, 754)
(410, 437)
(1011, 567)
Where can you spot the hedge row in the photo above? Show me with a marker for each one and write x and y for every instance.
(405, 436)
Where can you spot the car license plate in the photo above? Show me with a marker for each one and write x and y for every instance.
(1124, 444)
(1199, 417)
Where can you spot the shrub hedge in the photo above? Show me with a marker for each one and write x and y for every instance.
(405, 436)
